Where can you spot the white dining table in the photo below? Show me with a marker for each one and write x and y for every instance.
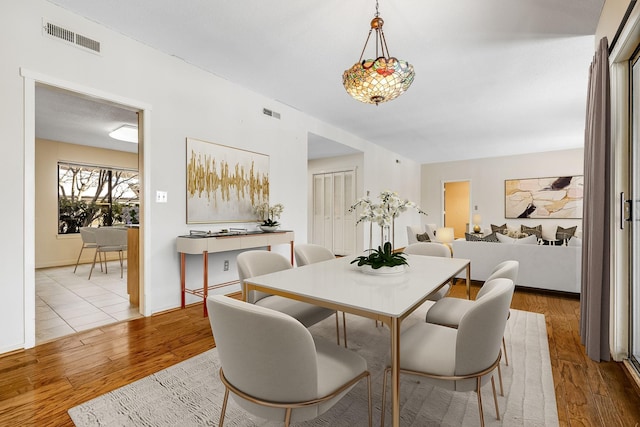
(341, 286)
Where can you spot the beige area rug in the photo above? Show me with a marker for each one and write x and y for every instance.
(190, 393)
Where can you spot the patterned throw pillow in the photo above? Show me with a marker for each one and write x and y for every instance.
(565, 233)
(470, 237)
(502, 229)
(424, 237)
(537, 230)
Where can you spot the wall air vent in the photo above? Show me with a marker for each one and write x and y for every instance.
(71, 37)
(271, 113)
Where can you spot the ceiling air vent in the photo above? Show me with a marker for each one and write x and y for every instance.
(270, 113)
(64, 34)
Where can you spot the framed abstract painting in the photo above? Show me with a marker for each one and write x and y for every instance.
(553, 197)
(224, 183)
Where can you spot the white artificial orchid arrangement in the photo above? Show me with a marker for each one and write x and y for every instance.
(383, 213)
(269, 214)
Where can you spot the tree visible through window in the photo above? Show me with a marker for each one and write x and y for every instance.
(96, 195)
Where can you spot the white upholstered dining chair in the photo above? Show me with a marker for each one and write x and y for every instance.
(110, 239)
(449, 311)
(274, 368)
(461, 359)
(310, 253)
(431, 249)
(257, 263)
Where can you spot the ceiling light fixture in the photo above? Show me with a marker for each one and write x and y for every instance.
(126, 133)
(378, 80)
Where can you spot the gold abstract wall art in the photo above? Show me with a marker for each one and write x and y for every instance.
(555, 197)
(224, 183)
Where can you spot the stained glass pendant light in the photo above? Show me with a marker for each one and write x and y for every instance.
(378, 80)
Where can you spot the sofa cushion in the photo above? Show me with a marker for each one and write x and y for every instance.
(565, 233)
(424, 237)
(529, 240)
(502, 238)
(537, 230)
(502, 229)
(470, 237)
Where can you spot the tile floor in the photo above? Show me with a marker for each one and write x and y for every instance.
(67, 303)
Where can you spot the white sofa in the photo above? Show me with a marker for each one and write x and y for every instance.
(555, 268)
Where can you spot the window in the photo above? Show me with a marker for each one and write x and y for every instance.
(96, 195)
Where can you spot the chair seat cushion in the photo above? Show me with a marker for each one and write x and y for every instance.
(114, 248)
(448, 311)
(442, 292)
(430, 348)
(335, 365)
(307, 314)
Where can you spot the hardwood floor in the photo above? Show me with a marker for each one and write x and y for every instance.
(38, 385)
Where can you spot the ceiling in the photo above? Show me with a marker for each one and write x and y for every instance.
(493, 77)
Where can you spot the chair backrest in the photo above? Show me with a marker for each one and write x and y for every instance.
(87, 234)
(264, 353)
(428, 249)
(481, 329)
(504, 270)
(257, 263)
(111, 238)
(310, 254)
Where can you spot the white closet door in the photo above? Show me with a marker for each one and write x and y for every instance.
(349, 218)
(318, 210)
(327, 234)
(338, 213)
(333, 225)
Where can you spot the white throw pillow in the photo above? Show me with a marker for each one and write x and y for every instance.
(529, 240)
(505, 239)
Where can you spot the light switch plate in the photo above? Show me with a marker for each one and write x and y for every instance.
(161, 197)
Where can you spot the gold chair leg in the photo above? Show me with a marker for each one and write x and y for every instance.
(500, 378)
(479, 393)
(224, 406)
(384, 395)
(344, 328)
(78, 261)
(369, 396)
(495, 397)
(506, 358)
(287, 417)
(93, 265)
(337, 329)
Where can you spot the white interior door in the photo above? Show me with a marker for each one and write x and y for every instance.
(333, 224)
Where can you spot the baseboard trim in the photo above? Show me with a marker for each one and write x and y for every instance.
(632, 373)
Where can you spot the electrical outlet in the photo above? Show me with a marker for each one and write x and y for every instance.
(226, 265)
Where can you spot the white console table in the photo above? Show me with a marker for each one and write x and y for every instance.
(204, 245)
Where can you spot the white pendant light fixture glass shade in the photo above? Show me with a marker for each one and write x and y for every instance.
(378, 80)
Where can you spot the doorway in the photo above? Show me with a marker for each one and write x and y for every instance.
(31, 80)
(456, 206)
(97, 185)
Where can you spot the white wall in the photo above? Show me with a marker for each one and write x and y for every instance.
(183, 101)
(487, 178)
